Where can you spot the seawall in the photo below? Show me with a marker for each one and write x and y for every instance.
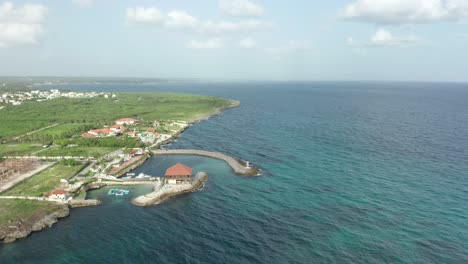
(235, 164)
(163, 192)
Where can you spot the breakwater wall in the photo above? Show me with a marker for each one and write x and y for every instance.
(163, 191)
(237, 165)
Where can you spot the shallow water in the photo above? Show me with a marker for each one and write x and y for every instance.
(353, 172)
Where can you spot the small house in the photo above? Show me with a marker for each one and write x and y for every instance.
(179, 174)
(126, 121)
(58, 194)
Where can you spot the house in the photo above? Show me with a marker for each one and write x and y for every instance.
(151, 129)
(103, 132)
(179, 174)
(126, 121)
(131, 133)
(88, 135)
(58, 194)
(117, 128)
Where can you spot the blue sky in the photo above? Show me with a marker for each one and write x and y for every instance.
(423, 40)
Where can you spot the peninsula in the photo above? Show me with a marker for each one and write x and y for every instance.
(54, 146)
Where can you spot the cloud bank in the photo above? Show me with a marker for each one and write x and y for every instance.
(405, 11)
(240, 8)
(383, 38)
(182, 20)
(21, 25)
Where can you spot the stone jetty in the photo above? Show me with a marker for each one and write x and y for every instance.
(237, 165)
(164, 191)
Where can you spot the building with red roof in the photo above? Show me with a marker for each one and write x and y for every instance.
(88, 135)
(126, 121)
(179, 173)
(58, 194)
(102, 132)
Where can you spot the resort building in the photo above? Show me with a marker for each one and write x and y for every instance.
(103, 132)
(126, 121)
(118, 128)
(179, 174)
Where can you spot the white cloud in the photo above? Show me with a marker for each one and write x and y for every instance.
(248, 43)
(240, 8)
(144, 15)
(214, 43)
(21, 25)
(83, 3)
(182, 20)
(405, 11)
(383, 38)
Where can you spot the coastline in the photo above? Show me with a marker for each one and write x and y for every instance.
(47, 220)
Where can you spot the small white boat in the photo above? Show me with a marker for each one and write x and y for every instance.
(131, 174)
(142, 176)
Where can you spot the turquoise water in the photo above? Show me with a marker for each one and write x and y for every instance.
(353, 173)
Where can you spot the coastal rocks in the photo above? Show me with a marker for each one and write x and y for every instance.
(75, 203)
(165, 191)
(25, 229)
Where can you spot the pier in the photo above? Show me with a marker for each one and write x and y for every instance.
(235, 164)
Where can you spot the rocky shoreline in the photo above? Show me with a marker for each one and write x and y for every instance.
(28, 226)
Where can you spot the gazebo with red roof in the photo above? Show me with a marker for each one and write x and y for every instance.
(178, 174)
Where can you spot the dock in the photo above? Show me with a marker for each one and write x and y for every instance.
(237, 165)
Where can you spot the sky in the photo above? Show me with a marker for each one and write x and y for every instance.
(391, 40)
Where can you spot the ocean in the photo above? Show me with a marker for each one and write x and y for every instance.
(353, 172)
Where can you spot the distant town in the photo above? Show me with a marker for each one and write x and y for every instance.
(18, 97)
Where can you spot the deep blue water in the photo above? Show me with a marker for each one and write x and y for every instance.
(353, 173)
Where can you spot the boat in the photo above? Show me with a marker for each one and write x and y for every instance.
(142, 176)
(131, 174)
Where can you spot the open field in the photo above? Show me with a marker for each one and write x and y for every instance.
(79, 151)
(18, 149)
(72, 113)
(45, 181)
(23, 210)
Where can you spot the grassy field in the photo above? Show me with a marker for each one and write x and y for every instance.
(79, 151)
(61, 130)
(18, 149)
(23, 209)
(71, 113)
(45, 181)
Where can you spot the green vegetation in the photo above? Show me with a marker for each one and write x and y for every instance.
(99, 111)
(79, 151)
(73, 116)
(45, 181)
(57, 132)
(18, 149)
(23, 209)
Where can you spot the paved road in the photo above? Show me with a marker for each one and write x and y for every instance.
(42, 199)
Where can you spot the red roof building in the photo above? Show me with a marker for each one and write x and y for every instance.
(58, 194)
(179, 173)
(88, 135)
(126, 121)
